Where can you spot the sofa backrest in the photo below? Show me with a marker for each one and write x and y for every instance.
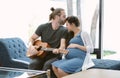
(12, 48)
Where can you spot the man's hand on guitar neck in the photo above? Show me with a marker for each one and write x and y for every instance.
(63, 51)
(56, 51)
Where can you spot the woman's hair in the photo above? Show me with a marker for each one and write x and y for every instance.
(55, 12)
(74, 20)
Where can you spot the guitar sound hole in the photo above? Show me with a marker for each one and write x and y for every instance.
(39, 48)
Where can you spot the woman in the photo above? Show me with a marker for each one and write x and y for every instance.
(76, 51)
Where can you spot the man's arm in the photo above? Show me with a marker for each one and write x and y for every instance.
(33, 38)
(62, 44)
(31, 48)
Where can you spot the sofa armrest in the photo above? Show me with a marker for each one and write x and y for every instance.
(21, 61)
(16, 63)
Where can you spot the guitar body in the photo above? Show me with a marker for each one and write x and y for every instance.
(40, 49)
(40, 53)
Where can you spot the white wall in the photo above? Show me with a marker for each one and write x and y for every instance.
(17, 16)
(111, 39)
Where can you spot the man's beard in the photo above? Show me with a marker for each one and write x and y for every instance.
(62, 22)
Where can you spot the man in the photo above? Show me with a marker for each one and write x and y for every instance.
(52, 33)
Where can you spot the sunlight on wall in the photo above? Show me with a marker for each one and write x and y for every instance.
(19, 16)
(111, 38)
(88, 8)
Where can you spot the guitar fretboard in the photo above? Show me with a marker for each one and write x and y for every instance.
(47, 49)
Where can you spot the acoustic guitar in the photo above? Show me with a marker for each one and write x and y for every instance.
(41, 49)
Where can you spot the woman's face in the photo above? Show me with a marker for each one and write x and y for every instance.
(68, 26)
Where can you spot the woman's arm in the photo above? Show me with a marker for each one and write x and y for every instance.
(77, 46)
(88, 46)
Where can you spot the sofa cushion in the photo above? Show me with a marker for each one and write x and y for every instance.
(106, 64)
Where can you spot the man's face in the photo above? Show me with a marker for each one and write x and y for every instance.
(62, 18)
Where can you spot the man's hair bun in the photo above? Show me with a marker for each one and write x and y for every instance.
(52, 9)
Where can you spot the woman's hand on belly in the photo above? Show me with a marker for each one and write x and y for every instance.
(73, 46)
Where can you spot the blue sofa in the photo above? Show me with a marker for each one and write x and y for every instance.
(106, 64)
(13, 53)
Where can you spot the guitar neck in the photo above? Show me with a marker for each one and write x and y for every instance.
(47, 49)
(51, 49)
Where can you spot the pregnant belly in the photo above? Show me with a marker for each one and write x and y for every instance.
(75, 53)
